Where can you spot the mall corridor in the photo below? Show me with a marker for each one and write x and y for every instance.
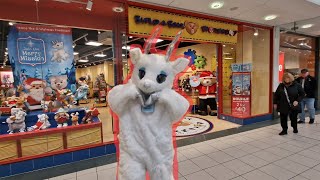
(256, 154)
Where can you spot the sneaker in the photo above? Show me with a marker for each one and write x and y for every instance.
(311, 121)
(295, 131)
(283, 133)
(300, 122)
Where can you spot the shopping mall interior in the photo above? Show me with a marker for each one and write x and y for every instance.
(69, 69)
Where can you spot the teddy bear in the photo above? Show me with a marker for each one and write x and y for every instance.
(207, 93)
(16, 122)
(147, 107)
(75, 118)
(42, 123)
(82, 91)
(59, 53)
(61, 117)
(91, 116)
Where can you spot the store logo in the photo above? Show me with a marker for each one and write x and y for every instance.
(191, 27)
(171, 24)
(218, 31)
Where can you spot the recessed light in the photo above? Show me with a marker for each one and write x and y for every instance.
(270, 17)
(118, 9)
(228, 58)
(217, 5)
(93, 43)
(231, 48)
(11, 23)
(224, 45)
(75, 53)
(307, 26)
(5, 53)
(126, 47)
(89, 5)
(130, 37)
(256, 32)
(159, 40)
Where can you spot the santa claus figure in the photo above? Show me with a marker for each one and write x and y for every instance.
(36, 88)
(207, 94)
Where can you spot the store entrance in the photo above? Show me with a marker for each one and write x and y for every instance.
(202, 117)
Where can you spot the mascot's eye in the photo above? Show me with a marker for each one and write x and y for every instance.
(161, 77)
(142, 73)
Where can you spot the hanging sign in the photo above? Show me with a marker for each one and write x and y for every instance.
(142, 21)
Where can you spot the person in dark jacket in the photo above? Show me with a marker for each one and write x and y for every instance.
(286, 100)
(308, 83)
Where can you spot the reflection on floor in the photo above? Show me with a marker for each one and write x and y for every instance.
(105, 116)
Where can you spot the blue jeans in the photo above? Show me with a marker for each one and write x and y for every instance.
(309, 102)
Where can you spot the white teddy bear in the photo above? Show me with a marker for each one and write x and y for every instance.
(59, 53)
(147, 107)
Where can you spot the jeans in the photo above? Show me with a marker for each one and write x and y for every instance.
(309, 102)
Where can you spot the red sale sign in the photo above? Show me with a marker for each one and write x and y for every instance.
(281, 65)
(241, 106)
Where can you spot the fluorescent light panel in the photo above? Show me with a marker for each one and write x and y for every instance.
(83, 60)
(93, 43)
(100, 55)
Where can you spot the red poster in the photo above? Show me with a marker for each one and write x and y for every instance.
(241, 106)
(281, 65)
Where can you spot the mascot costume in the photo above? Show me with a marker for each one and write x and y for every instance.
(147, 108)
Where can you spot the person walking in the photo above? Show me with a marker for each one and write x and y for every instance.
(308, 83)
(287, 100)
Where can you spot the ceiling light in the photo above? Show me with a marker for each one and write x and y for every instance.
(99, 32)
(11, 23)
(93, 43)
(217, 5)
(83, 60)
(227, 53)
(228, 58)
(100, 55)
(159, 40)
(36, 0)
(118, 9)
(224, 45)
(256, 32)
(130, 37)
(231, 48)
(270, 17)
(89, 5)
(307, 26)
(301, 39)
(75, 53)
(123, 55)
(74, 45)
(126, 47)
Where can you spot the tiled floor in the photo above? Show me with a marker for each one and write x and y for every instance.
(257, 154)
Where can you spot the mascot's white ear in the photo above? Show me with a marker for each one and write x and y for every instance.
(135, 55)
(179, 64)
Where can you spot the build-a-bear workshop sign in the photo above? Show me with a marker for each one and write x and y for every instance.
(142, 21)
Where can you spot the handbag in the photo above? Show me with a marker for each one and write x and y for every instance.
(292, 107)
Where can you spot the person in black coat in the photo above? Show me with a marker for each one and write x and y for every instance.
(309, 86)
(287, 98)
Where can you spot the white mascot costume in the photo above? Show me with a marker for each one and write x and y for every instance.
(147, 107)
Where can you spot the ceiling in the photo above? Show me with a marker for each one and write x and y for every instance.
(254, 11)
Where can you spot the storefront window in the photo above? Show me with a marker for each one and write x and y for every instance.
(246, 74)
(298, 53)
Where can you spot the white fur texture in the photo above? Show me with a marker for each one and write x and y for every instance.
(146, 138)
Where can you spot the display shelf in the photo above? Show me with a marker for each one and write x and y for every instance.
(31, 145)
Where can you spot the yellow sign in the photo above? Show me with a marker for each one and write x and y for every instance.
(142, 21)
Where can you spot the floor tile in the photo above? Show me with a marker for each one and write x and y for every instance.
(300, 144)
(181, 157)
(191, 153)
(279, 152)
(260, 144)
(204, 162)
(87, 171)
(220, 145)
(107, 174)
(235, 152)
(298, 178)
(310, 154)
(91, 176)
(248, 148)
(238, 166)
(290, 147)
(188, 167)
(65, 177)
(303, 160)
(277, 172)
(267, 156)
(201, 175)
(256, 174)
(220, 172)
(311, 174)
(220, 157)
(206, 149)
(291, 166)
(253, 161)
(239, 178)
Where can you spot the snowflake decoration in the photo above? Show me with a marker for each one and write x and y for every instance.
(200, 62)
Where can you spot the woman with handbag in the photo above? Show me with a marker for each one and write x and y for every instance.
(287, 100)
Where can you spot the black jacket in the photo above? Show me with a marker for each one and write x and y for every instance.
(310, 86)
(295, 93)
